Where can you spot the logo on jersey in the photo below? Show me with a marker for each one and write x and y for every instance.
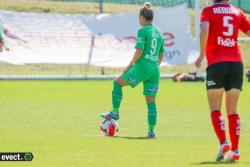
(226, 42)
(140, 40)
(151, 58)
(153, 89)
(132, 80)
(211, 83)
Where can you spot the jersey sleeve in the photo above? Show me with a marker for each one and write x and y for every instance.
(141, 38)
(245, 23)
(162, 49)
(205, 18)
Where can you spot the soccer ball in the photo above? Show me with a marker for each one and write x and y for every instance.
(109, 127)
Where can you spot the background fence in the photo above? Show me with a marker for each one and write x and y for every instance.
(93, 6)
(243, 4)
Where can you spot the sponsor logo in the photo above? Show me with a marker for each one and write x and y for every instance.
(238, 127)
(153, 89)
(151, 58)
(132, 80)
(11, 156)
(140, 40)
(226, 42)
(211, 83)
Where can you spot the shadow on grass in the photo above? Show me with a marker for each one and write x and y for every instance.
(134, 138)
(215, 163)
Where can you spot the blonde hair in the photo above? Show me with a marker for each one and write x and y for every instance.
(147, 5)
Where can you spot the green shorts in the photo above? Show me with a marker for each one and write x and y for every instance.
(147, 73)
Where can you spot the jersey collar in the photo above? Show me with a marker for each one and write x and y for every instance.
(148, 24)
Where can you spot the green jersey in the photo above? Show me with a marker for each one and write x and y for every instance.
(151, 41)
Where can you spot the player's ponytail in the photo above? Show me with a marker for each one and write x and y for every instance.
(147, 5)
(147, 11)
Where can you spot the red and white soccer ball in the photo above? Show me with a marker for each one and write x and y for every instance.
(109, 127)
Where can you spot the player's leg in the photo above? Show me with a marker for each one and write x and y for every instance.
(131, 78)
(150, 91)
(117, 94)
(215, 90)
(233, 89)
(215, 101)
(116, 99)
(232, 97)
(152, 115)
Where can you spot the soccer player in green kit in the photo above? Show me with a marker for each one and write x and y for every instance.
(144, 67)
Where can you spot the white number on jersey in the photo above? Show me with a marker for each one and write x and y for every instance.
(228, 25)
(153, 45)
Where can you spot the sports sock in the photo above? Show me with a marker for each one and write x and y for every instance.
(219, 125)
(152, 114)
(234, 130)
(116, 96)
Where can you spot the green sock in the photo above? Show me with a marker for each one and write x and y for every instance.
(116, 96)
(152, 114)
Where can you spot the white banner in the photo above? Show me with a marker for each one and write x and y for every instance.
(101, 40)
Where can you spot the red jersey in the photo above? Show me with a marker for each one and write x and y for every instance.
(224, 22)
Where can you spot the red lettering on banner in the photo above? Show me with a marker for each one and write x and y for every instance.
(169, 39)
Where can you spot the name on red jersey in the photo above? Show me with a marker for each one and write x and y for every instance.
(225, 10)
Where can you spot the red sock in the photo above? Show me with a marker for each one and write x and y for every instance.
(219, 125)
(234, 130)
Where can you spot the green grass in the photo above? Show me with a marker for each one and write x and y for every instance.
(59, 123)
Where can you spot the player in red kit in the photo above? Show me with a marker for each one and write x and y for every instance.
(220, 25)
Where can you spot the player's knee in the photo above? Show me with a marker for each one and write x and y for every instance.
(150, 99)
(232, 111)
(120, 82)
(215, 108)
(116, 83)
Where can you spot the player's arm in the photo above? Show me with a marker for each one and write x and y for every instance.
(203, 41)
(6, 47)
(245, 24)
(160, 58)
(161, 53)
(13, 36)
(248, 33)
(136, 57)
(203, 36)
(140, 43)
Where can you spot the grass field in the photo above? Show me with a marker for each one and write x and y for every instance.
(58, 120)
(59, 123)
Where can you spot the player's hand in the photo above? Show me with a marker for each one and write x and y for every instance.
(198, 62)
(7, 49)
